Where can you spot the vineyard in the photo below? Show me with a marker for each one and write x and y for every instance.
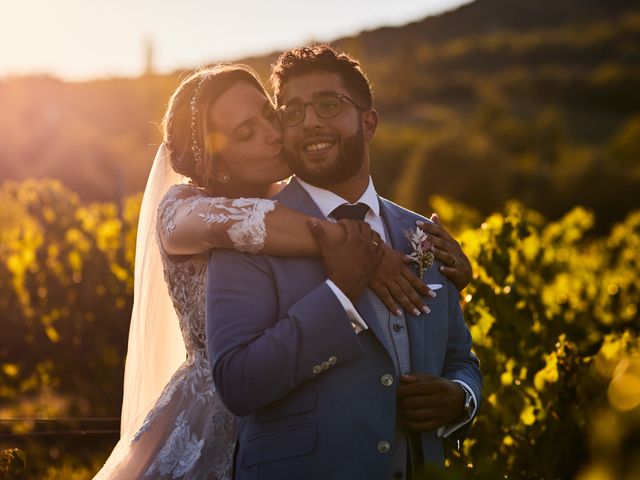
(553, 310)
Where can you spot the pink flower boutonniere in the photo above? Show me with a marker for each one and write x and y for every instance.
(422, 255)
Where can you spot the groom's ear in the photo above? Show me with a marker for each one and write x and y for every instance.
(369, 124)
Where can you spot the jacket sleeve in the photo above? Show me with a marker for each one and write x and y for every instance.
(461, 363)
(257, 354)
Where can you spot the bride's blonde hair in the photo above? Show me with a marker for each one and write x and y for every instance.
(185, 124)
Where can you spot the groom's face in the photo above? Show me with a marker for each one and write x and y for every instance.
(323, 151)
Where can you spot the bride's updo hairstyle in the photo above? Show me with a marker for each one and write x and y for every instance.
(185, 126)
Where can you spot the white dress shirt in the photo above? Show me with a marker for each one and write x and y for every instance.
(327, 202)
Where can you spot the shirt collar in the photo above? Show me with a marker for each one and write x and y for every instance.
(328, 201)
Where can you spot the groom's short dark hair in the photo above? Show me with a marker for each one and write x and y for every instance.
(321, 58)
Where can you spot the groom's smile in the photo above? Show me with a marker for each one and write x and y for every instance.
(317, 147)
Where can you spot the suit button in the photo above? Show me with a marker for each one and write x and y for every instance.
(325, 365)
(383, 446)
(316, 369)
(397, 327)
(333, 360)
(386, 380)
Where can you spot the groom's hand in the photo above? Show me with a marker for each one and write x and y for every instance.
(349, 263)
(428, 402)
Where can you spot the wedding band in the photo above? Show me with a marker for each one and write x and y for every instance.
(375, 244)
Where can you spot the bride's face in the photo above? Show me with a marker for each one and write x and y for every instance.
(246, 138)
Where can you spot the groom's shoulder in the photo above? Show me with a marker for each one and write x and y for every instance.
(402, 212)
(290, 194)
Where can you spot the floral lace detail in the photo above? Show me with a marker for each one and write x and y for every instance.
(195, 377)
(248, 234)
(180, 452)
(172, 201)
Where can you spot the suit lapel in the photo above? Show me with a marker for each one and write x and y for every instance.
(297, 198)
(398, 223)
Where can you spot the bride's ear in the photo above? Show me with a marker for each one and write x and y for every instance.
(221, 172)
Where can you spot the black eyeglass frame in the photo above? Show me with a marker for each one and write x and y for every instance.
(303, 105)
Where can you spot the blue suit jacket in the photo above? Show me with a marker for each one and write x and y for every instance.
(271, 320)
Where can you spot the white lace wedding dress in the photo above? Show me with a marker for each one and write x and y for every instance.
(189, 434)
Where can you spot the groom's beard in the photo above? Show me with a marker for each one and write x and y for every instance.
(347, 163)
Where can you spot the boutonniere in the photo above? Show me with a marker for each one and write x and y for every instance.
(422, 255)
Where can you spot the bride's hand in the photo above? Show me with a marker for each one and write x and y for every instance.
(447, 250)
(395, 283)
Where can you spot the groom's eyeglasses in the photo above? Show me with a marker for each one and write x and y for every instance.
(326, 105)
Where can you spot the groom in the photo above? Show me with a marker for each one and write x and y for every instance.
(327, 384)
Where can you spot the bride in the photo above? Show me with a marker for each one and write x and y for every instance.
(222, 134)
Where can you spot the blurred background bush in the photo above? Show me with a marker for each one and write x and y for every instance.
(518, 122)
(553, 310)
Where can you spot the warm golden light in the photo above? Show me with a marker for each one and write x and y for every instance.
(624, 389)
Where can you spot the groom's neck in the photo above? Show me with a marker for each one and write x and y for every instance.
(350, 189)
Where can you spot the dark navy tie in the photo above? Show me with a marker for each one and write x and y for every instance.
(354, 212)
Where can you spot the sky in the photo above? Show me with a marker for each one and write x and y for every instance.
(84, 39)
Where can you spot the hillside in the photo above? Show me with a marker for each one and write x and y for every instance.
(494, 100)
(489, 16)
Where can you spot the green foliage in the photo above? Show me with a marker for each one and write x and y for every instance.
(70, 470)
(12, 464)
(553, 311)
(67, 275)
(548, 305)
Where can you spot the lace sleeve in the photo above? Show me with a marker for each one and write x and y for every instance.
(189, 219)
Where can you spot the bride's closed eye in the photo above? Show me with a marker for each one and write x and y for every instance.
(245, 133)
